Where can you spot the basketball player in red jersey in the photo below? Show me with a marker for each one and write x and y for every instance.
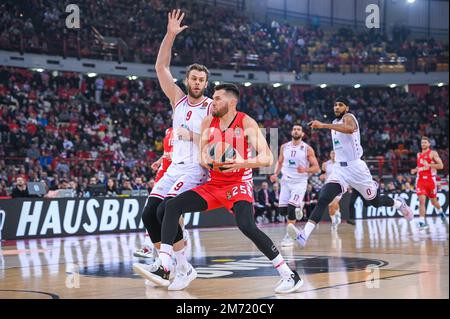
(428, 162)
(160, 166)
(163, 163)
(230, 186)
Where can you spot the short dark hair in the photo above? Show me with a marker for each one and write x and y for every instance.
(229, 88)
(297, 124)
(426, 138)
(342, 99)
(198, 67)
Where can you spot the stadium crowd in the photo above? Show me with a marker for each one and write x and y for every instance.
(120, 30)
(71, 131)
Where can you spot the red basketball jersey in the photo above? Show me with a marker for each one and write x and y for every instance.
(235, 136)
(421, 159)
(168, 147)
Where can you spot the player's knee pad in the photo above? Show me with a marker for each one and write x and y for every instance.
(328, 193)
(380, 200)
(291, 212)
(283, 211)
(244, 217)
(161, 209)
(150, 219)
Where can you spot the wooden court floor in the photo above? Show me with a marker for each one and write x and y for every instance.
(380, 258)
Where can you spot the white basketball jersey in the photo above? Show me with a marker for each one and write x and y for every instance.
(295, 156)
(329, 165)
(346, 146)
(189, 116)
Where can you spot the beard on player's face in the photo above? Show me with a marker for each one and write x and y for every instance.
(425, 146)
(219, 112)
(296, 136)
(340, 113)
(195, 92)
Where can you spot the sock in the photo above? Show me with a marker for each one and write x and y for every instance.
(440, 210)
(165, 254)
(309, 227)
(280, 265)
(338, 213)
(333, 219)
(422, 219)
(180, 257)
(397, 203)
(155, 253)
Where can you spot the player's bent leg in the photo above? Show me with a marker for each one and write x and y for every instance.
(282, 212)
(436, 204)
(287, 240)
(189, 201)
(399, 203)
(290, 280)
(422, 224)
(327, 194)
(150, 220)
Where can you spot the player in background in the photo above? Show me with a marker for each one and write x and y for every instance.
(333, 208)
(349, 170)
(428, 162)
(296, 161)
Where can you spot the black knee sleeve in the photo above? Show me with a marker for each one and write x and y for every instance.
(189, 201)
(291, 212)
(381, 200)
(150, 219)
(160, 215)
(246, 224)
(327, 194)
(282, 211)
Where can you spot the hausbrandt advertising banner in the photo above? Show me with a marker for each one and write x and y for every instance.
(38, 218)
(367, 212)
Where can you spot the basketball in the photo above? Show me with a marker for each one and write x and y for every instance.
(220, 153)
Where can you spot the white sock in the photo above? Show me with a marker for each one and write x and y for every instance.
(180, 257)
(155, 252)
(333, 219)
(397, 203)
(165, 254)
(440, 210)
(280, 265)
(338, 213)
(309, 227)
(422, 219)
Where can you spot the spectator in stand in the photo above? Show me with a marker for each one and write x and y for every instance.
(264, 201)
(126, 186)
(111, 188)
(275, 197)
(139, 184)
(73, 185)
(20, 190)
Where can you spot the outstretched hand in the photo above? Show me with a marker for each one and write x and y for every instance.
(174, 24)
(316, 124)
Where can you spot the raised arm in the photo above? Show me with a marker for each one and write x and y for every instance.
(162, 66)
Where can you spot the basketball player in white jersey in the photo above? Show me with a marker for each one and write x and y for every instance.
(333, 208)
(349, 170)
(296, 161)
(185, 172)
